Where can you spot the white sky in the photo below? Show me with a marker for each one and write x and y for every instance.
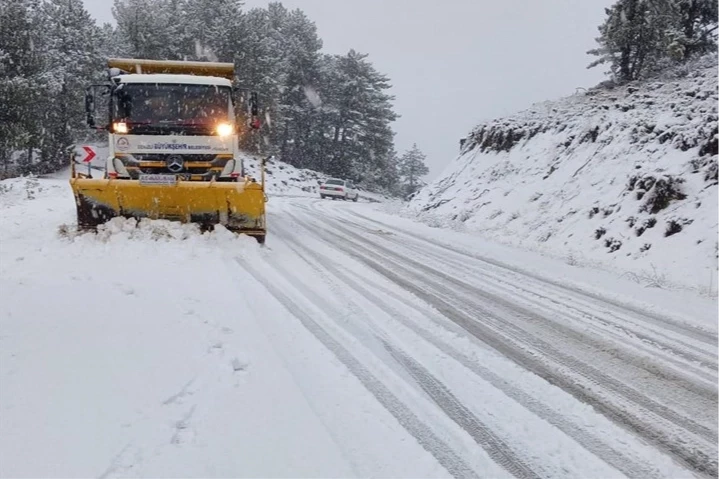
(454, 63)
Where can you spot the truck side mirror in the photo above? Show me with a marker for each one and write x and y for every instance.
(90, 107)
(255, 122)
(254, 104)
(92, 93)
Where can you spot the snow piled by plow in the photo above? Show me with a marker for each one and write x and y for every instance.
(624, 178)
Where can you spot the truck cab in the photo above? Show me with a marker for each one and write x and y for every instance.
(170, 119)
(173, 148)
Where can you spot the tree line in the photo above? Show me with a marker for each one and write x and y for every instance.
(641, 37)
(331, 113)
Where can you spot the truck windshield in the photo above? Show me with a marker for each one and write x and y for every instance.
(201, 105)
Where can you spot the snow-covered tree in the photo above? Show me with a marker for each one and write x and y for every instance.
(412, 169)
(629, 39)
(209, 27)
(300, 45)
(150, 28)
(20, 66)
(360, 137)
(639, 37)
(71, 60)
(111, 43)
(695, 26)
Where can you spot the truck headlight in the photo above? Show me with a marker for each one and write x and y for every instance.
(224, 129)
(120, 127)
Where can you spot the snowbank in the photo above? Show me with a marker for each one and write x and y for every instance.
(286, 180)
(623, 177)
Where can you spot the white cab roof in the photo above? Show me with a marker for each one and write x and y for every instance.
(181, 79)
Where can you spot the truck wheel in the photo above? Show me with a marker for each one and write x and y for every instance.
(355, 198)
(260, 239)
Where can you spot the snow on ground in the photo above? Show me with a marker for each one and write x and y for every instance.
(623, 178)
(354, 344)
(137, 352)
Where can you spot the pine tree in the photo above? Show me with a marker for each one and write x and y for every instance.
(149, 27)
(71, 61)
(629, 39)
(20, 66)
(259, 67)
(300, 46)
(209, 26)
(360, 137)
(639, 37)
(696, 21)
(412, 169)
(111, 43)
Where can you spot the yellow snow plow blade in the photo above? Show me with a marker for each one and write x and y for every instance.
(238, 206)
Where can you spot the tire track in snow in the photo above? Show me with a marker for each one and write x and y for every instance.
(592, 312)
(589, 441)
(498, 273)
(560, 320)
(520, 311)
(495, 447)
(692, 331)
(454, 464)
(691, 453)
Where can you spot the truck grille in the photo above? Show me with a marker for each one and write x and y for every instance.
(198, 167)
(163, 157)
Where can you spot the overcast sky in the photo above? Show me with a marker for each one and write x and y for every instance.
(454, 63)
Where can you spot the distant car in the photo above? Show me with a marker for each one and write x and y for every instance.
(336, 188)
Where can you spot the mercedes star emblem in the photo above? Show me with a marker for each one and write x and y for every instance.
(175, 164)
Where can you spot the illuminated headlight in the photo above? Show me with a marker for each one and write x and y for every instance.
(120, 127)
(224, 129)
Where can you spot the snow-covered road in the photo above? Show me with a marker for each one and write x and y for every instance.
(354, 344)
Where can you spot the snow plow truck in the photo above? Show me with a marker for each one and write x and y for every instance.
(173, 151)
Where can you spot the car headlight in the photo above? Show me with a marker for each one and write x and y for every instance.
(224, 129)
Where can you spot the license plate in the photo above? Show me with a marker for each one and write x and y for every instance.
(158, 180)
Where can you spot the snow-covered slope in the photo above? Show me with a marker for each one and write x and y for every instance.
(625, 177)
(285, 179)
